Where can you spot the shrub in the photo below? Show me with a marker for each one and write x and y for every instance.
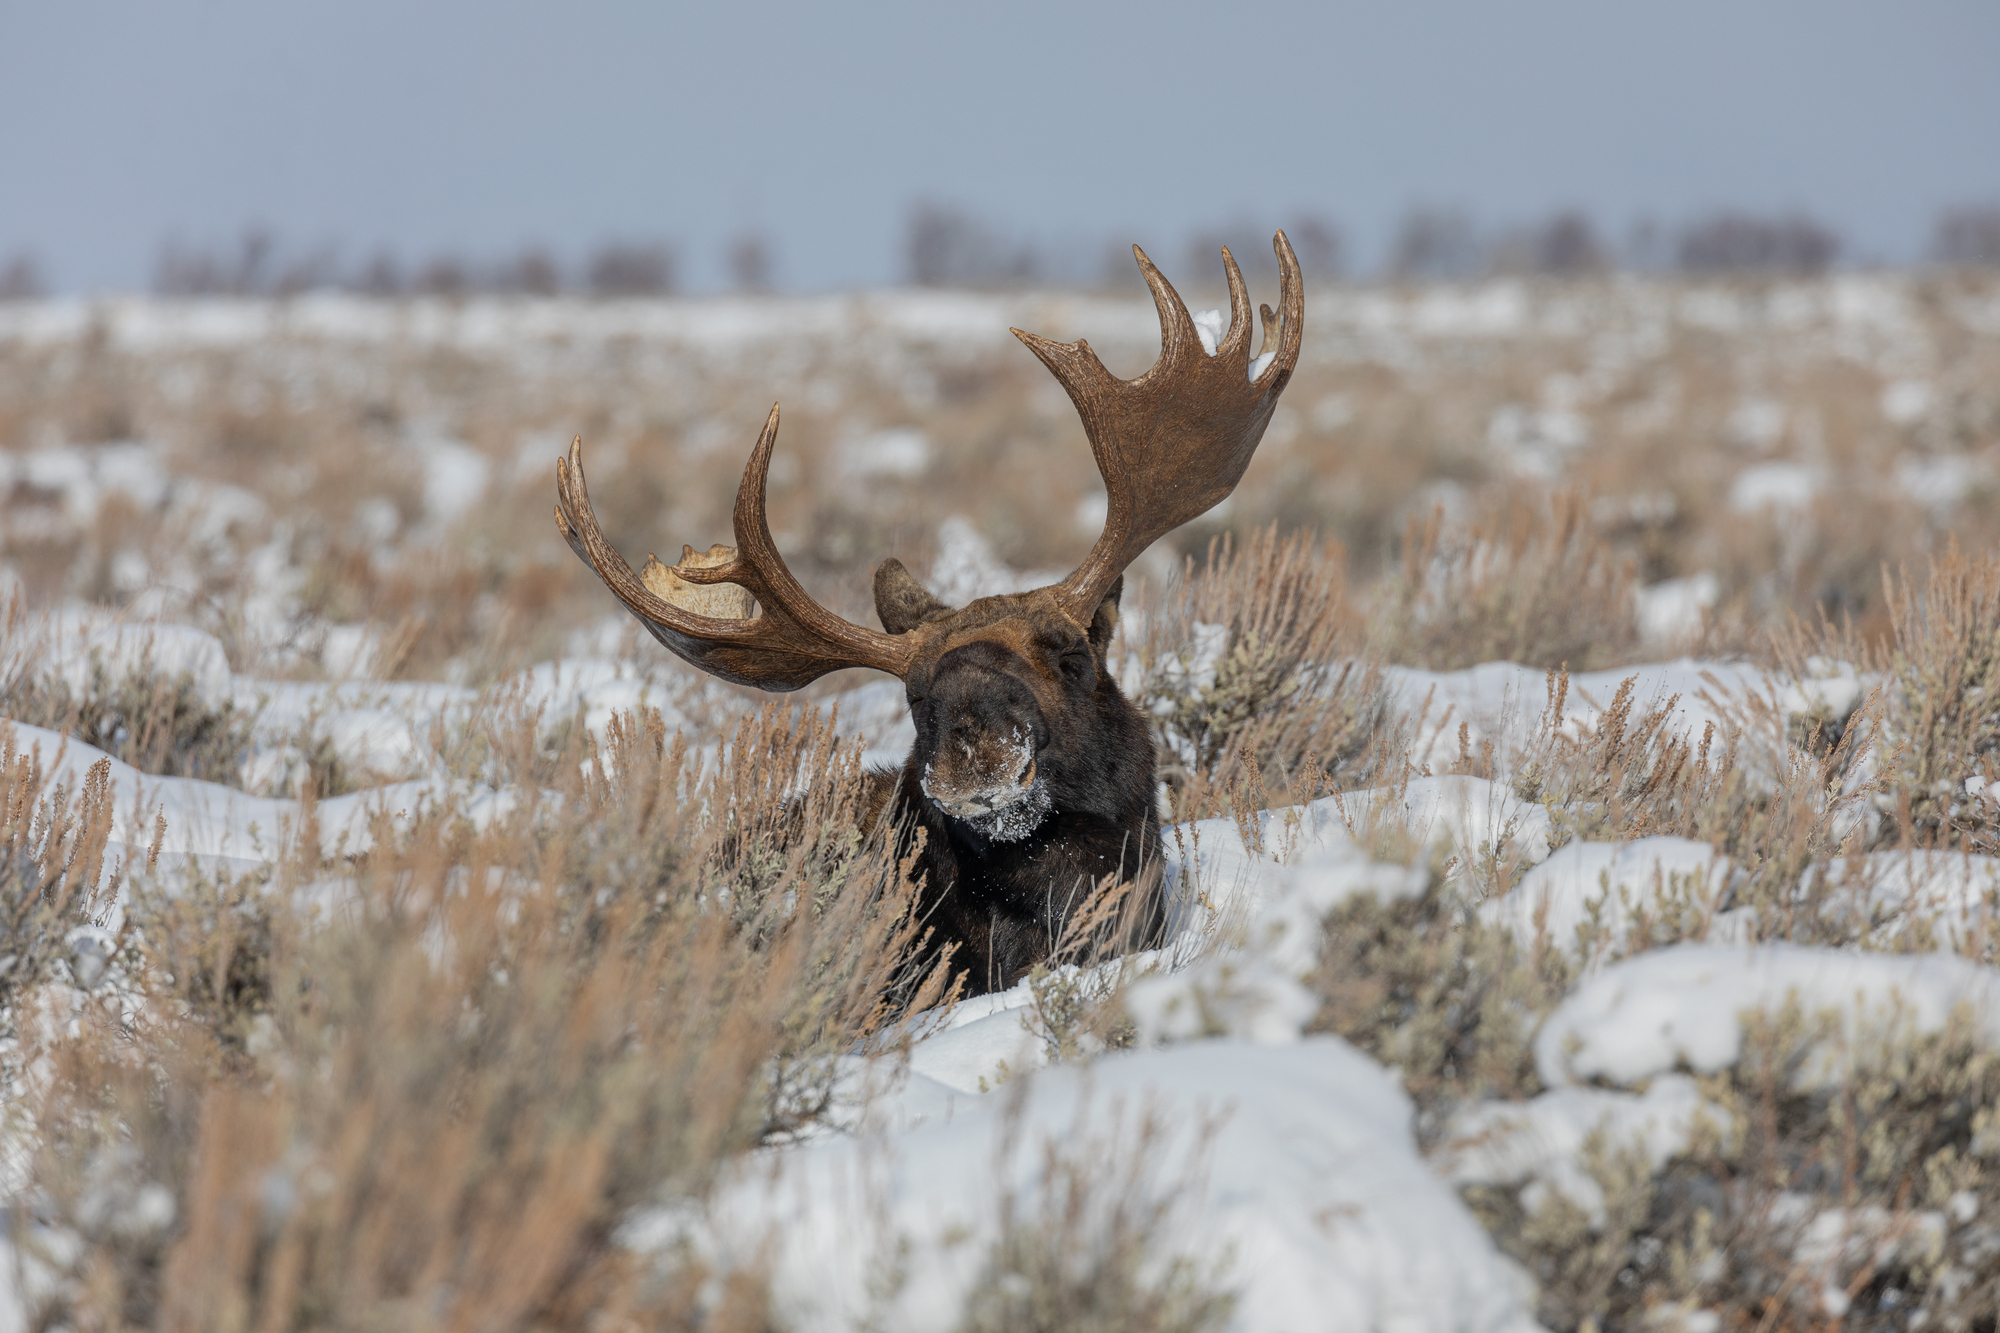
(425, 1085)
(1086, 1255)
(1532, 584)
(155, 720)
(54, 880)
(1867, 1202)
(1944, 719)
(1250, 675)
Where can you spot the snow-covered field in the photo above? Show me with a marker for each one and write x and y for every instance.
(1291, 1155)
(1496, 1035)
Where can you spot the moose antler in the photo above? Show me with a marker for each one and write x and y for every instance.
(795, 641)
(1175, 441)
(1169, 444)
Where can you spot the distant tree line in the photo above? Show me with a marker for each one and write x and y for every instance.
(948, 246)
(255, 265)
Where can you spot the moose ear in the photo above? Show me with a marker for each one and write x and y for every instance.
(901, 601)
(1105, 622)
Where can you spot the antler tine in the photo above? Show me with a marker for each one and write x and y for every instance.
(1236, 343)
(1175, 441)
(1291, 315)
(579, 528)
(766, 575)
(795, 641)
(1177, 336)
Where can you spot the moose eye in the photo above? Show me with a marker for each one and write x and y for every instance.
(1076, 660)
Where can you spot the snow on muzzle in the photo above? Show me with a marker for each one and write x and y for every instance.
(989, 782)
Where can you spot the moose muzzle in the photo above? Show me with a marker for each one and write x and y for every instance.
(989, 780)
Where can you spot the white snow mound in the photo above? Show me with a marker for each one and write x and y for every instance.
(1309, 1188)
(1684, 1008)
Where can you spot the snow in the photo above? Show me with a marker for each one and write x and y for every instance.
(1211, 326)
(1673, 609)
(1297, 1165)
(1757, 423)
(1906, 402)
(1502, 703)
(1271, 920)
(1214, 877)
(902, 452)
(1829, 690)
(122, 652)
(1941, 482)
(212, 825)
(1782, 487)
(1542, 1143)
(1683, 1007)
(455, 477)
(1588, 896)
(1899, 897)
(967, 568)
(1291, 1153)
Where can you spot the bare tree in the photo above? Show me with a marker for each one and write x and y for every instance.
(380, 276)
(21, 278)
(1317, 242)
(257, 265)
(627, 269)
(749, 260)
(444, 275)
(1435, 243)
(1647, 246)
(1565, 245)
(1747, 243)
(1968, 235)
(947, 247)
(533, 272)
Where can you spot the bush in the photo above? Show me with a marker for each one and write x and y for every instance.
(1253, 682)
(425, 1085)
(1529, 584)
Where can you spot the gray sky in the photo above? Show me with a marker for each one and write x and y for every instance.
(482, 126)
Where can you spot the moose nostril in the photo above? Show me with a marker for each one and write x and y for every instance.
(1027, 778)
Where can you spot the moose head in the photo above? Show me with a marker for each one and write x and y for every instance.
(1032, 773)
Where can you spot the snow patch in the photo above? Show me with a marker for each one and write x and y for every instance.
(1779, 487)
(1297, 1165)
(1587, 897)
(1683, 1008)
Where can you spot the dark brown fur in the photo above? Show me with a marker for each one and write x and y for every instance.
(993, 676)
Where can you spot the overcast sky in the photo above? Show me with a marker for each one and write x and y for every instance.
(480, 126)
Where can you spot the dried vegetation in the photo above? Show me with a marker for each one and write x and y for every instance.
(420, 1086)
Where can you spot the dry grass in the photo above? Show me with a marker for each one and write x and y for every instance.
(1086, 1257)
(1868, 1197)
(1258, 685)
(420, 1089)
(1538, 584)
(1581, 436)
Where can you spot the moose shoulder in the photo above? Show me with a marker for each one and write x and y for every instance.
(1032, 776)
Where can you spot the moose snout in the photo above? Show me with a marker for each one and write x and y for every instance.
(971, 780)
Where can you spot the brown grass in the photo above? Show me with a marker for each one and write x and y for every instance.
(1536, 584)
(419, 1087)
(1258, 685)
(422, 1088)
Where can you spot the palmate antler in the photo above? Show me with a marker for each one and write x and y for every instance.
(1173, 443)
(1170, 445)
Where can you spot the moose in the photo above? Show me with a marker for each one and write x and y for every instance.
(1032, 777)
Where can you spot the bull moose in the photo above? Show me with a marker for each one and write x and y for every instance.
(1032, 775)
